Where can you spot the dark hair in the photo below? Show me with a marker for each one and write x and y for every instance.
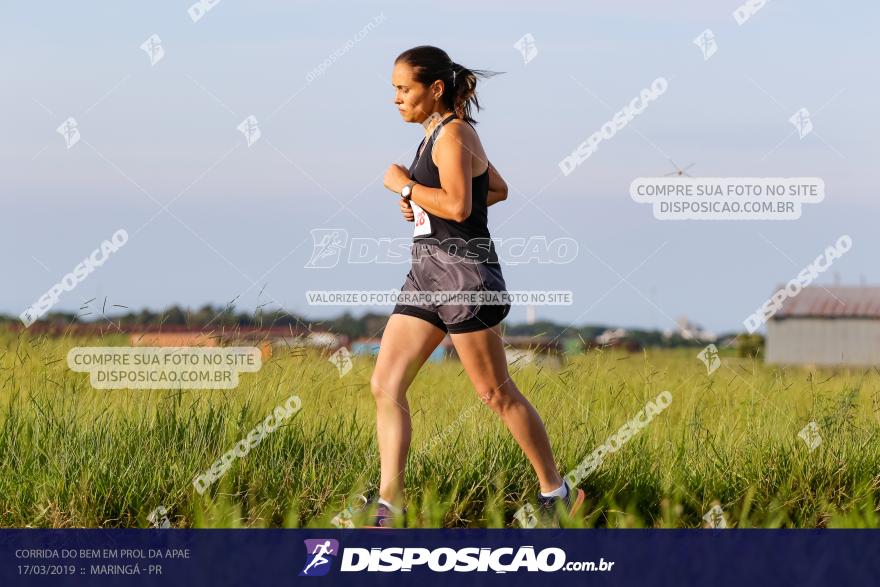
(459, 83)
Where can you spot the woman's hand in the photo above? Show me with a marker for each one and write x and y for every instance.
(407, 211)
(396, 177)
(497, 187)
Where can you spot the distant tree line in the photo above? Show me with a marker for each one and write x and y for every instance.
(370, 324)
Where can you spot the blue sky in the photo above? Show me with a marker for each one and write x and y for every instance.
(241, 216)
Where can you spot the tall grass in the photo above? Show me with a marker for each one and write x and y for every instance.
(73, 456)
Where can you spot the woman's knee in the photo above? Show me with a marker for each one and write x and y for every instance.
(498, 397)
(386, 388)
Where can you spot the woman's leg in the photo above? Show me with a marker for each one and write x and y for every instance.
(483, 358)
(406, 344)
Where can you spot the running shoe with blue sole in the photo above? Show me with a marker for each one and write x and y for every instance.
(550, 508)
(381, 516)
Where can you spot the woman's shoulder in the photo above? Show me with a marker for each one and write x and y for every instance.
(461, 131)
(461, 125)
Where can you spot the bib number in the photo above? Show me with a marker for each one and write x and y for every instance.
(422, 221)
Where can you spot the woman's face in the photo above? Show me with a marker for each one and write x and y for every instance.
(414, 101)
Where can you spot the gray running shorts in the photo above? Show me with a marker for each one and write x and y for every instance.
(434, 269)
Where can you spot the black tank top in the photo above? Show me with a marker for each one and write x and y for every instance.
(469, 238)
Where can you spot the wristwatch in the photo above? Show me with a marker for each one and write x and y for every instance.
(406, 191)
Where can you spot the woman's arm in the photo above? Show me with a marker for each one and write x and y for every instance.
(453, 158)
(497, 187)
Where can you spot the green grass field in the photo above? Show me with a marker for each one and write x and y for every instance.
(73, 456)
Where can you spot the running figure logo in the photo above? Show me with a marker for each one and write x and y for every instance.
(328, 244)
(526, 46)
(710, 358)
(250, 128)
(801, 121)
(317, 563)
(69, 129)
(706, 43)
(153, 48)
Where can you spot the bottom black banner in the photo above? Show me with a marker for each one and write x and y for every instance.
(433, 557)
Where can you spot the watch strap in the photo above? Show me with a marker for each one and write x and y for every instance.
(410, 185)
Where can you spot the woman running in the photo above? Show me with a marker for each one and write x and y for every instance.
(445, 193)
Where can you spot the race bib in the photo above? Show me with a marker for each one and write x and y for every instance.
(422, 222)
